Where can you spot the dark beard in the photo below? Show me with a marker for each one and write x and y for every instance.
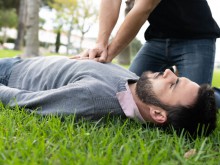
(144, 91)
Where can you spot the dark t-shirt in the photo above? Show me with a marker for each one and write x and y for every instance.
(190, 19)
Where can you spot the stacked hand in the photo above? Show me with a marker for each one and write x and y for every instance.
(98, 53)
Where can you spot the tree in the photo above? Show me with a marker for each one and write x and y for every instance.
(58, 30)
(57, 44)
(124, 57)
(66, 14)
(21, 10)
(86, 16)
(77, 14)
(32, 26)
(21, 6)
(47, 2)
(19, 42)
(9, 4)
(8, 19)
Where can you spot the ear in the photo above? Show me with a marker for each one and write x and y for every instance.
(158, 115)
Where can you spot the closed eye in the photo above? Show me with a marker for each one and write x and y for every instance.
(158, 74)
(171, 85)
(177, 81)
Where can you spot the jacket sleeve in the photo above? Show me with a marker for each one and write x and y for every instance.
(70, 99)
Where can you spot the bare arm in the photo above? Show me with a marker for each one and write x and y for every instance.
(131, 25)
(108, 16)
(109, 12)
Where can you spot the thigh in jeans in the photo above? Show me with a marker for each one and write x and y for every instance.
(196, 60)
(151, 57)
(6, 65)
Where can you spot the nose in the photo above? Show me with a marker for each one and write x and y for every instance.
(168, 74)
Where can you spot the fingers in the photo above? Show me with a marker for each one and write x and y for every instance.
(75, 57)
(85, 53)
(93, 53)
(103, 57)
(98, 54)
(81, 55)
(84, 56)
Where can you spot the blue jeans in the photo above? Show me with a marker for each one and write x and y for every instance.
(6, 65)
(194, 59)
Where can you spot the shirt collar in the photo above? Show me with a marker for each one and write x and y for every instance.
(128, 104)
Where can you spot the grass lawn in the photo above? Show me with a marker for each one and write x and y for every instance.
(9, 53)
(216, 78)
(31, 139)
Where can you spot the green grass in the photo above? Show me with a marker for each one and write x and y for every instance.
(9, 53)
(32, 139)
(216, 78)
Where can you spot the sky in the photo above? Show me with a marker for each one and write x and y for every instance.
(214, 6)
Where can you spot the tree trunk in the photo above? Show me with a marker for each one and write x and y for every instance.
(81, 42)
(124, 57)
(57, 44)
(69, 44)
(32, 41)
(19, 43)
(69, 40)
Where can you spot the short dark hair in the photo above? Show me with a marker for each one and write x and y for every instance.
(198, 119)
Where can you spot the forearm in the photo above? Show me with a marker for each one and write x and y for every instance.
(108, 16)
(131, 25)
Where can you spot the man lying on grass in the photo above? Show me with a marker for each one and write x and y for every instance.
(92, 90)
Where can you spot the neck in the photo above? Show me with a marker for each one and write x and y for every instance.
(143, 108)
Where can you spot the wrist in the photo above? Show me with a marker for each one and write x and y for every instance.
(112, 52)
(102, 43)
